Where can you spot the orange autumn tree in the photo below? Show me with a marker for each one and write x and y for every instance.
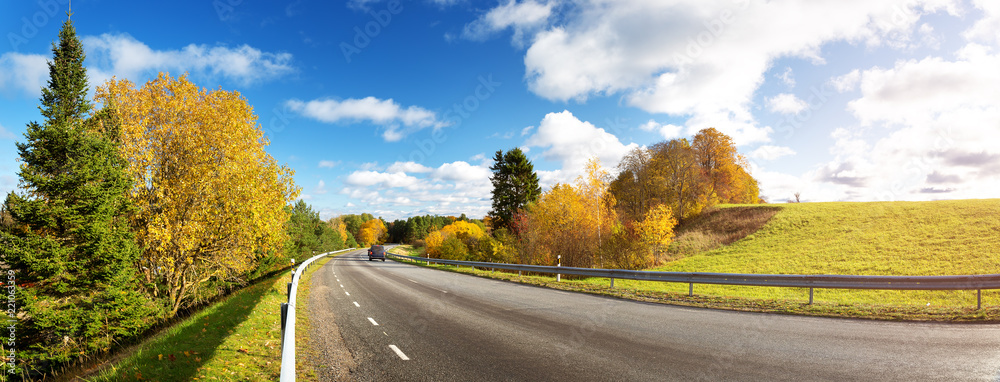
(724, 168)
(209, 198)
(687, 176)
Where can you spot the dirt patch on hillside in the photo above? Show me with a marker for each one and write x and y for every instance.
(716, 227)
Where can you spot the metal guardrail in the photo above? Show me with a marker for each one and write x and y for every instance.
(288, 320)
(962, 282)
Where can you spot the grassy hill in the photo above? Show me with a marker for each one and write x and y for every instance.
(879, 238)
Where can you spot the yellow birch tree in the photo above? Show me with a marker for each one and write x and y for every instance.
(210, 199)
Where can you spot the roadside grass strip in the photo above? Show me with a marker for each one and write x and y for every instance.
(238, 338)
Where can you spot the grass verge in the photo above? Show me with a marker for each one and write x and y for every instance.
(236, 339)
(658, 292)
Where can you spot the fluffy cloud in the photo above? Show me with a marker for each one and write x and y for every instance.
(986, 29)
(385, 179)
(386, 113)
(786, 103)
(846, 82)
(702, 60)
(523, 17)
(124, 56)
(667, 131)
(771, 152)
(461, 172)
(408, 167)
(942, 118)
(449, 189)
(573, 142)
(23, 73)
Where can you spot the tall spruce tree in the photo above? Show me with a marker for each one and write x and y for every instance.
(69, 241)
(515, 184)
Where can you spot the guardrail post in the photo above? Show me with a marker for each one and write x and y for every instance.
(559, 264)
(612, 283)
(810, 296)
(284, 318)
(979, 299)
(691, 290)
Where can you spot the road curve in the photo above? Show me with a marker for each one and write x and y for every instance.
(402, 322)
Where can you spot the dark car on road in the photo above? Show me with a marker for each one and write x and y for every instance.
(376, 252)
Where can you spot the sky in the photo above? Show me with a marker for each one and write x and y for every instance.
(396, 108)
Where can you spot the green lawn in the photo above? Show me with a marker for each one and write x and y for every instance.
(881, 238)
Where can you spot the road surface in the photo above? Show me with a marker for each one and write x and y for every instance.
(407, 323)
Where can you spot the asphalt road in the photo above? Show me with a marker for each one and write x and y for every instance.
(407, 323)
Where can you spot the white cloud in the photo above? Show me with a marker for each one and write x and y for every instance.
(461, 172)
(942, 118)
(788, 77)
(847, 82)
(573, 142)
(771, 152)
(409, 167)
(916, 91)
(328, 164)
(386, 113)
(384, 179)
(527, 130)
(523, 17)
(697, 59)
(23, 72)
(986, 29)
(320, 188)
(667, 131)
(786, 103)
(124, 56)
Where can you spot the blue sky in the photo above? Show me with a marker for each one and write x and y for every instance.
(396, 108)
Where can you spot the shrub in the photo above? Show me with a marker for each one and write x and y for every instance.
(454, 249)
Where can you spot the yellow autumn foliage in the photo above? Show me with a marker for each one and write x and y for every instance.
(461, 230)
(371, 232)
(209, 198)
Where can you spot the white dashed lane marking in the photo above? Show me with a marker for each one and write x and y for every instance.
(356, 304)
(399, 353)
(373, 321)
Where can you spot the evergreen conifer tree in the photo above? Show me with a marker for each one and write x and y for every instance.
(515, 184)
(68, 241)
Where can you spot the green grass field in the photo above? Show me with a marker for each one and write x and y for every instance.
(880, 238)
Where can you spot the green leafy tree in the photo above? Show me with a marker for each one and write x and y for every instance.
(515, 184)
(308, 234)
(68, 239)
